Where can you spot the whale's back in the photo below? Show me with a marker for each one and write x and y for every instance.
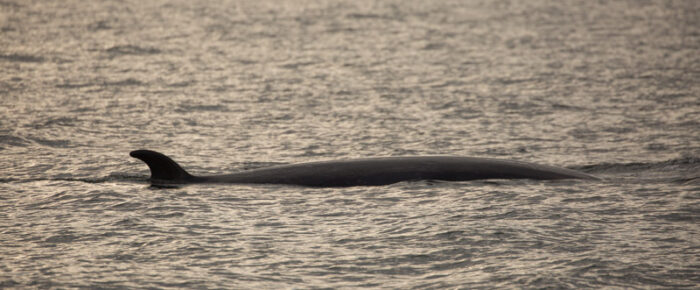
(388, 170)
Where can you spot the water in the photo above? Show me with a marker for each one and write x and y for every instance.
(609, 88)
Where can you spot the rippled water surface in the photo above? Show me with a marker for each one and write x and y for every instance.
(606, 87)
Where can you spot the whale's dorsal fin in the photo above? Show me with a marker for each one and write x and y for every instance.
(163, 168)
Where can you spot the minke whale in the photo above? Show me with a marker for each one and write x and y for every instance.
(362, 172)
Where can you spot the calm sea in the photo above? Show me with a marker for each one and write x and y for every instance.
(610, 88)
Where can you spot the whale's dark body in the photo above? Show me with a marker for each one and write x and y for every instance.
(362, 172)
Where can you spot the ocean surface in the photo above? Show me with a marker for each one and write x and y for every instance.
(610, 88)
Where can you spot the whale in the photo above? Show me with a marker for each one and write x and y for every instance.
(362, 172)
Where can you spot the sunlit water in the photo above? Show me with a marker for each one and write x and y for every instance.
(607, 87)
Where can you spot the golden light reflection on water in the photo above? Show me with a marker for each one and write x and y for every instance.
(224, 86)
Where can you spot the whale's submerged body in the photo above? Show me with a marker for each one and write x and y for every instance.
(362, 172)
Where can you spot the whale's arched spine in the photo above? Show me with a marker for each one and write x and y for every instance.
(363, 172)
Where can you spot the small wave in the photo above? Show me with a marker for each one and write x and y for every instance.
(116, 177)
(366, 16)
(679, 164)
(11, 140)
(103, 83)
(54, 143)
(684, 171)
(118, 50)
(181, 84)
(67, 85)
(188, 107)
(123, 83)
(15, 57)
(55, 121)
(297, 65)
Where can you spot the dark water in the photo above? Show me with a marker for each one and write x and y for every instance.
(607, 87)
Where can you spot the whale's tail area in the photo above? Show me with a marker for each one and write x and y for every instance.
(163, 169)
